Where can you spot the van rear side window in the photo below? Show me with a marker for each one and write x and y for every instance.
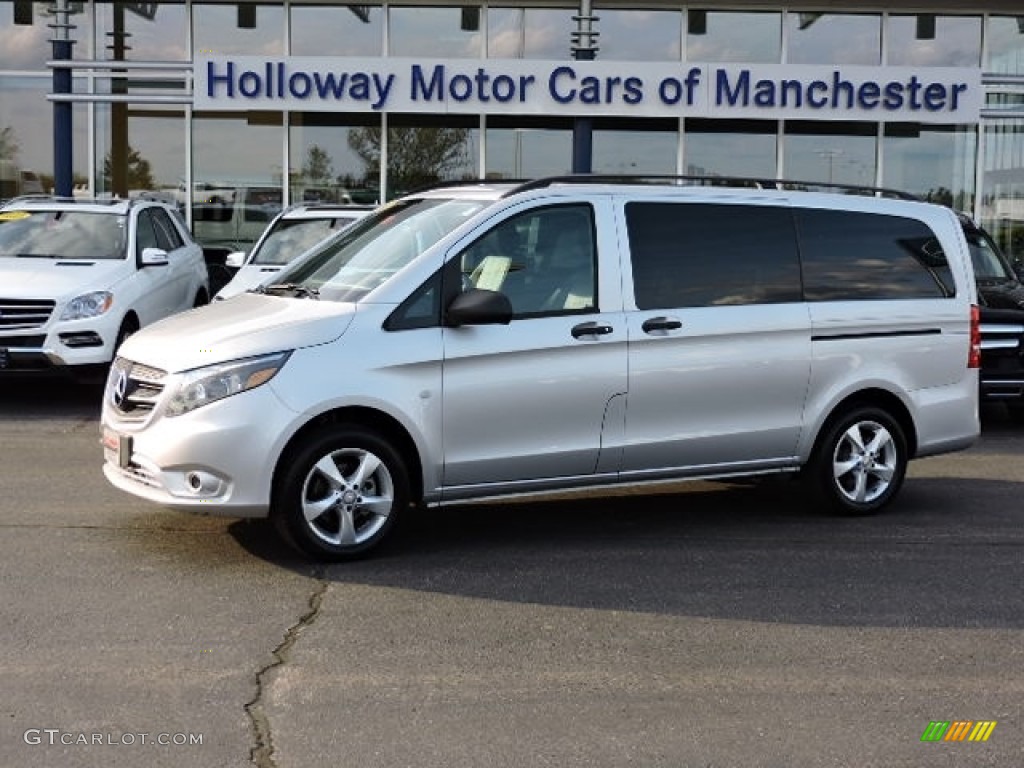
(704, 255)
(848, 255)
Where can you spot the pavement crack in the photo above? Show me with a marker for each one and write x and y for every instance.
(262, 753)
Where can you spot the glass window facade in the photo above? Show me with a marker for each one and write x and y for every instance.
(733, 36)
(262, 160)
(640, 35)
(422, 150)
(243, 28)
(730, 148)
(141, 31)
(1002, 199)
(927, 40)
(323, 161)
(933, 162)
(520, 148)
(26, 137)
(834, 38)
(452, 33)
(832, 153)
(324, 30)
(529, 33)
(1005, 45)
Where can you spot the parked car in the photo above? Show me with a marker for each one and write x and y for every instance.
(291, 233)
(233, 218)
(78, 277)
(1001, 296)
(487, 339)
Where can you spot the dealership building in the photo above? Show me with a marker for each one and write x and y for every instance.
(257, 105)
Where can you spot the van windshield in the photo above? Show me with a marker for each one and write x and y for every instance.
(373, 249)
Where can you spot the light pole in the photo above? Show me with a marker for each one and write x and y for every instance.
(584, 48)
(63, 181)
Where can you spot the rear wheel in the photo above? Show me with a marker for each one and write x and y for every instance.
(341, 493)
(860, 463)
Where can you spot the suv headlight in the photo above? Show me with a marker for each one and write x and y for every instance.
(88, 305)
(215, 382)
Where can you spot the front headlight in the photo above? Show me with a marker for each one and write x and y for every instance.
(88, 305)
(215, 382)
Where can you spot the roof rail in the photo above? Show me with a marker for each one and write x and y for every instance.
(44, 198)
(712, 181)
(465, 183)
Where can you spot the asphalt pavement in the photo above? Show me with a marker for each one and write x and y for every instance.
(712, 626)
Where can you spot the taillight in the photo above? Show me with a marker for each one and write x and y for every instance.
(974, 355)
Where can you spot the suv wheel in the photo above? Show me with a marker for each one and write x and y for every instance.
(128, 327)
(341, 493)
(860, 463)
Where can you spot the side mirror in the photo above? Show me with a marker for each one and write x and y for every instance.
(153, 257)
(235, 259)
(479, 307)
(1018, 268)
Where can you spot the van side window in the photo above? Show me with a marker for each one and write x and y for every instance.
(421, 310)
(544, 260)
(703, 255)
(848, 255)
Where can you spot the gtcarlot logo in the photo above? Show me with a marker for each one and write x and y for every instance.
(55, 736)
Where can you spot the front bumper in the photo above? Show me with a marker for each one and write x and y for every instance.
(63, 347)
(218, 459)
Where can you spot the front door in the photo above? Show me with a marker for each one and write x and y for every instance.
(541, 397)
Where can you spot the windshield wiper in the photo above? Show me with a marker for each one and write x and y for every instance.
(294, 288)
(38, 256)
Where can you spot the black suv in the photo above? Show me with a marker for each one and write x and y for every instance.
(1001, 296)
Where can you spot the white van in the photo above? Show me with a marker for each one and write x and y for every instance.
(488, 340)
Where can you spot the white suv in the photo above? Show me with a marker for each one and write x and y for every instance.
(77, 278)
(488, 340)
(292, 232)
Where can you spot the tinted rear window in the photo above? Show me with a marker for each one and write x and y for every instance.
(701, 255)
(850, 255)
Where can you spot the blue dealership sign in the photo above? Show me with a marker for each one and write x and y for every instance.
(598, 88)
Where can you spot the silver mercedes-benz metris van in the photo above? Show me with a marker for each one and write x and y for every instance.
(485, 340)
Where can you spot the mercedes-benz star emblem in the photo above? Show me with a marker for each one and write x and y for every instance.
(120, 388)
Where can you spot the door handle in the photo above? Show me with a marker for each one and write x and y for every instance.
(661, 324)
(591, 329)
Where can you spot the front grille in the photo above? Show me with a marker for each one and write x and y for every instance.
(22, 314)
(139, 475)
(134, 388)
(22, 342)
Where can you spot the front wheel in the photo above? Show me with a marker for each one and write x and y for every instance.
(860, 463)
(341, 493)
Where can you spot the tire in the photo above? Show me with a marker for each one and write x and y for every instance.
(128, 327)
(860, 462)
(321, 507)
